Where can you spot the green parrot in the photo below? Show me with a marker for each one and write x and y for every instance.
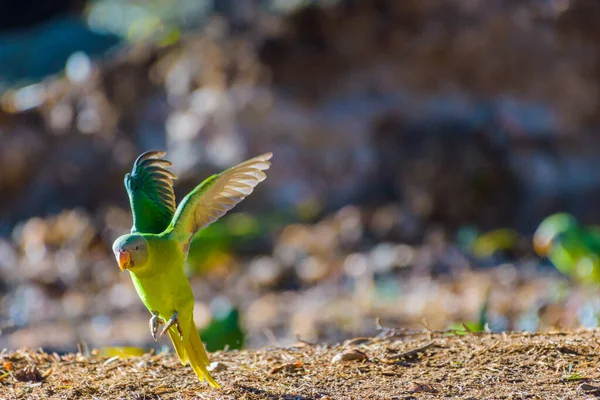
(155, 251)
(573, 249)
(224, 332)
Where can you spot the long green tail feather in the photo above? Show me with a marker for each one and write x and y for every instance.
(192, 350)
(198, 357)
(179, 348)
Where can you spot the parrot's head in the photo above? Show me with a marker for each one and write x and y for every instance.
(131, 251)
(550, 229)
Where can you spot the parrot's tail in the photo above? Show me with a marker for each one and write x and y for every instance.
(191, 349)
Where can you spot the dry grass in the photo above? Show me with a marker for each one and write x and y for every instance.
(394, 365)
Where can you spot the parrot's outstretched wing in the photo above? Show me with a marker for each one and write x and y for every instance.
(215, 196)
(150, 190)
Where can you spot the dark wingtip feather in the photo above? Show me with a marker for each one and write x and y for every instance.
(149, 154)
(150, 165)
(149, 157)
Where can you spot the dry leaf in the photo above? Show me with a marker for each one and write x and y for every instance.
(358, 341)
(416, 387)
(28, 374)
(590, 390)
(587, 387)
(286, 367)
(349, 355)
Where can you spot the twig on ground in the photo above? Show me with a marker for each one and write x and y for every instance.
(413, 352)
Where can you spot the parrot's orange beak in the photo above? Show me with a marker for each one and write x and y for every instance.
(124, 257)
(541, 244)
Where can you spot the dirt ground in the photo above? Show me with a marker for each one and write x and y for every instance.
(392, 365)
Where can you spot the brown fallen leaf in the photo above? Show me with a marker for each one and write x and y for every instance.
(163, 390)
(28, 374)
(587, 387)
(286, 367)
(416, 387)
(8, 366)
(590, 389)
(358, 341)
(349, 355)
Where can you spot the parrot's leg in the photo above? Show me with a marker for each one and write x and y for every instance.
(154, 324)
(172, 321)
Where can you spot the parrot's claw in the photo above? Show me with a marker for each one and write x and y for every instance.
(154, 324)
(172, 321)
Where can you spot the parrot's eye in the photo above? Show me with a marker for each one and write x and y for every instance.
(137, 247)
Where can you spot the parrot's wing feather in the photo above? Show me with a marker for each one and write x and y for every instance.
(592, 236)
(215, 196)
(150, 190)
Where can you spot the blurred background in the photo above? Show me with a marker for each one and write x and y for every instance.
(418, 145)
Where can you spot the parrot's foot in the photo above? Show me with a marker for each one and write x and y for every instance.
(172, 321)
(155, 322)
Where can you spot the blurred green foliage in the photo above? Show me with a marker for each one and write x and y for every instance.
(480, 325)
(216, 244)
(135, 20)
(573, 249)
(224, 332)
(486, 245)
